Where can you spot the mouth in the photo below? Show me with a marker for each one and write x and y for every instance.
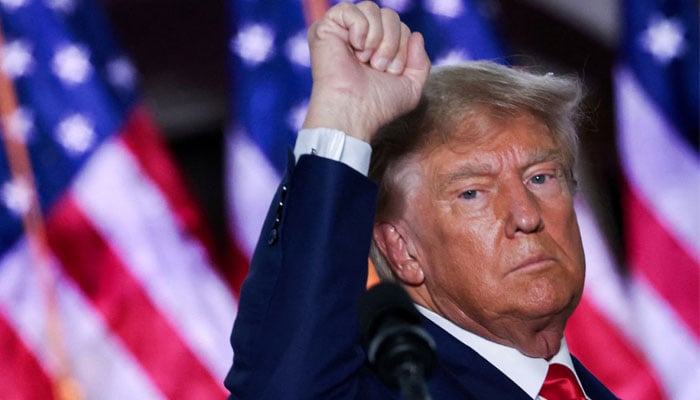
(534, 262)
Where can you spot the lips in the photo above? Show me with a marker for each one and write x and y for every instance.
(533, 262)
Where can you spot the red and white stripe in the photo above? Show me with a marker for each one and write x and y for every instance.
(145, 313)
(662, 201)
(640, 332)
(99, 361)
(663, 225)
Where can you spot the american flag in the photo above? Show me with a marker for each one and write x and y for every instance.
(638, 333)
(270, 85)
(653, 314)
(108, 288)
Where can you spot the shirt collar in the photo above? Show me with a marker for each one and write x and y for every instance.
(527, 372)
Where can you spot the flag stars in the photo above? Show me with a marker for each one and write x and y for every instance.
(12, 5)
(400, 6)
(121, 73)
(445, 8)
(663, 38)
(254, 44)
(20, 123)
(295, 118)
(64, 6)
(71, 64)
(298, 49)
(76, 134)
(16, 58)
(452, 57)
(16, 195)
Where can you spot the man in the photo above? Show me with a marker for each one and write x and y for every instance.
(474, 218)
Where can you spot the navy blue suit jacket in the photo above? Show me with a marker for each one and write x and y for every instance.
(296, 334)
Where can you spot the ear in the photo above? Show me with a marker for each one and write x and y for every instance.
(395, 248)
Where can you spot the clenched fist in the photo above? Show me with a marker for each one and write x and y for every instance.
(367, 67)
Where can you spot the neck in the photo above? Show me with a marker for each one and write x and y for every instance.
(533, 337)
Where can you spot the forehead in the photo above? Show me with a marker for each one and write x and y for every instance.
(475, 138)
(491, 145)
(486, 124)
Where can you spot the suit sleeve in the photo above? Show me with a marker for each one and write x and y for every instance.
(295, 334)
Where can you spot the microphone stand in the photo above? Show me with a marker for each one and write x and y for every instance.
(410, 378)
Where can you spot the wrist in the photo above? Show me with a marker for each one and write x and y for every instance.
(340, 112)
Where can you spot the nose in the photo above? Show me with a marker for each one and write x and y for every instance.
(523, 214)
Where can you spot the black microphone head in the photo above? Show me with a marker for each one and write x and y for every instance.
(382, 299)
(394, 339)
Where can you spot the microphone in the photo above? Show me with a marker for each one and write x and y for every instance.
(399, 349)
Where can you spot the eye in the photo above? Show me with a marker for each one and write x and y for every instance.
(469, 194)
(540, 179)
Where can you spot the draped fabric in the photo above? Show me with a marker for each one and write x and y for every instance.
(108, 285)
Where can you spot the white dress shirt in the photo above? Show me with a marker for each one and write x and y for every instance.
(527, 372)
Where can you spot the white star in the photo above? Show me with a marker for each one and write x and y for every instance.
(400, 6)
(254, 44)
(12, 5)
(17, 196)
(298, 49)
(76, 134)
(663, 38)
(121, 73)
(455, 56)
(445, 8)
(20, 123)
(296, 115)
(16, 58)
(64, 6)
(72, 64)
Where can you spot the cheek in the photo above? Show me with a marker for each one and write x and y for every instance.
(560, 221)
(470, 238)
(460, 252)
(575, 247)
(465, 256)
(570, 235)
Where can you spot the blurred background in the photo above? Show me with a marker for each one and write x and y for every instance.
(143, 141)
(180, 49)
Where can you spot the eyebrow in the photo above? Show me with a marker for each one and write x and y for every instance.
(467, 170)
(545, 155)
(471, 169)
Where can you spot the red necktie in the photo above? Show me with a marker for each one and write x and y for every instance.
(561, 384)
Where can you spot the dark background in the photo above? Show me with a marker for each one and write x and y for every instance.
(180, 49)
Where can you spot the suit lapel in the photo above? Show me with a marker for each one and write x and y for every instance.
(462, 373)
(591, 385)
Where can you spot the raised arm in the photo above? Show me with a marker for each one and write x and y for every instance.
(295, 335)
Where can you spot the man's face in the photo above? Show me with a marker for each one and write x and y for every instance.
(492, 225)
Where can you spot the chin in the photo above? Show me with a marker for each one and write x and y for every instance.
(552, 295)
(553, 308)
(545, 347)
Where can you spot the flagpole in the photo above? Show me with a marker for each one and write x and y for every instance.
(314, 9)
(64, 387)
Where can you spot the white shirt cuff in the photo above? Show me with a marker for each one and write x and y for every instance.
(335, 145)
